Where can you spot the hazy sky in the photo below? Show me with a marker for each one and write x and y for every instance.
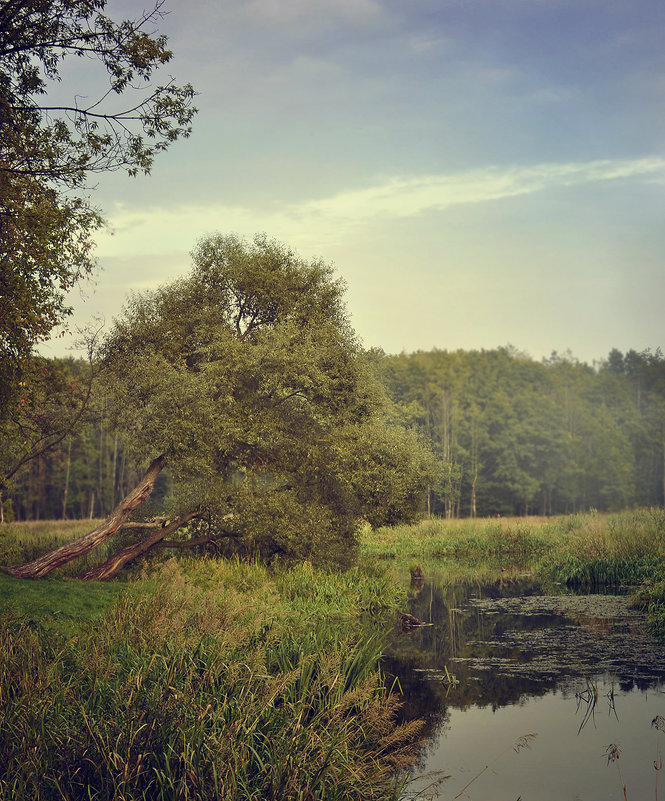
(480, 172)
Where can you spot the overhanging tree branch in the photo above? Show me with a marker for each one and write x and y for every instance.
(49, 150)
(49, 441)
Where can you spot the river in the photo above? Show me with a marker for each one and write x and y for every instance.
(532, 694)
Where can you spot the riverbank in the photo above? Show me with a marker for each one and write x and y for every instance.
(200, 679)
(623, 549)
(210, 679)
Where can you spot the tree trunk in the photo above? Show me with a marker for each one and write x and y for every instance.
(114, 470)
(100, 465)
(115, 563)
(65, 553)
(67, 473)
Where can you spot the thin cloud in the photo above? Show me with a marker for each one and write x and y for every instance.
(325, 220)
(413, 196)
(299, 11)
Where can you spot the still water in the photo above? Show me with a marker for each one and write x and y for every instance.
(558, 694)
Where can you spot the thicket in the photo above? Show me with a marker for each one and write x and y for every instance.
(513, 436)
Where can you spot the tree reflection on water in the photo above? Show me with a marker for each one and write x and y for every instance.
(574, 668)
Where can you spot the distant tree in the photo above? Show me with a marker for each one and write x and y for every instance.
(49, 151)
(556, 436)
(246, 380)
(52, 400)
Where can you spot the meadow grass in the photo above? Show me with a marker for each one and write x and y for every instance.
(56, 604)
(580, 550)
(22, 542)
(204, 679)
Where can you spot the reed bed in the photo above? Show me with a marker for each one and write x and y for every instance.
(206, 680)
(584, 550)
(650, 597)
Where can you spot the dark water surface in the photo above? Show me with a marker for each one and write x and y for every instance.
(503, 662)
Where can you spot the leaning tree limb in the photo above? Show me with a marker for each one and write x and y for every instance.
(114, 564)
(141, 525)
(65, 553)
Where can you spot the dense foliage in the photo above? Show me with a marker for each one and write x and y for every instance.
(514, 436)
(50, 148)
(246, 381)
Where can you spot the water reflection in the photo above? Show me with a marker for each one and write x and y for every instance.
(579, 671)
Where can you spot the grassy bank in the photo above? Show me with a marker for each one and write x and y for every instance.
(580, 550)
(594, 551)
(200, 680)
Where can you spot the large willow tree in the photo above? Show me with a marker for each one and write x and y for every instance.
(247, 382)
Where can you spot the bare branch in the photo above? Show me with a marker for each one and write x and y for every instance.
(66, 553)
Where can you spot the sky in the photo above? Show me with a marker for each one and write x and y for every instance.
(479, 172)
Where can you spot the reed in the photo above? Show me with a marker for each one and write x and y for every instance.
(205, 680)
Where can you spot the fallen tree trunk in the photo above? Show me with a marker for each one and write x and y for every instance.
(65, 553)
(114, 564)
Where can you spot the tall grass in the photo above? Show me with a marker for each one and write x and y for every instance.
(209, 680)
(582, 550)
(22, 542)
(607, 550)
(441, 539)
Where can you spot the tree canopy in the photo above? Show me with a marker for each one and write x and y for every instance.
(246, 380)
(514, 436)
(49, 150)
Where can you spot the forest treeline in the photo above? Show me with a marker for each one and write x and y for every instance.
(510, 436)
(516, 436)
(85, 474)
